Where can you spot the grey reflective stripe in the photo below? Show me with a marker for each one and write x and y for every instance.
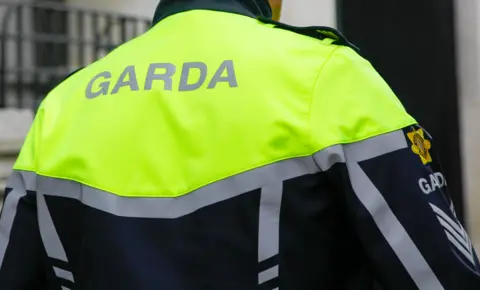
(223, 189)
(269, 227)
(23, 179)
(51, 240)
(329, 157)
(63, 274)
(268, 275)
(375, 146)
(180, 206)
(20, 182)
(393, 231)
(361, 151)
(269, 221)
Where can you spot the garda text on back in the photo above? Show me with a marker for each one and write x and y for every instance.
(193, 76)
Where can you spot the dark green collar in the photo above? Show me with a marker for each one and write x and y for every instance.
(251, 8)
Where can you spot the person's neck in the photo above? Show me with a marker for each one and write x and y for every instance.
(252, 8)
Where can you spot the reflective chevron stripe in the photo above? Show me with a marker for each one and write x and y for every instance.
(456, 234)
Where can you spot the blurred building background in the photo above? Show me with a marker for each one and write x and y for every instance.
(427, 50)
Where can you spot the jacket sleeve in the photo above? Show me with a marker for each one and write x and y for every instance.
(22, 255)
(396, 195)
(398, 202)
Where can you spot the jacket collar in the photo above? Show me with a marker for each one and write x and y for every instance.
(251, 8)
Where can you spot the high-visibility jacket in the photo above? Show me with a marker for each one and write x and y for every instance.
(218, 151)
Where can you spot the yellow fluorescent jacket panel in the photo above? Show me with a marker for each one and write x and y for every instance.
(188, 103)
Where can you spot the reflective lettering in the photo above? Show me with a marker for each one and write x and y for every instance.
(131, 82)
(186, 71)
(192, 77)
(435, 181)
(231, 78)
(440, 179)
(166, 76)
(424, 186)
(104, 86)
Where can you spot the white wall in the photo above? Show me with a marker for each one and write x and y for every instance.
(309, 12)
(468, 47)
(142, 8)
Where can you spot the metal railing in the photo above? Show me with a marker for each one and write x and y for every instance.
(42, 42)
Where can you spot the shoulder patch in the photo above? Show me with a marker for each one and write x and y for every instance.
(319, 32)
